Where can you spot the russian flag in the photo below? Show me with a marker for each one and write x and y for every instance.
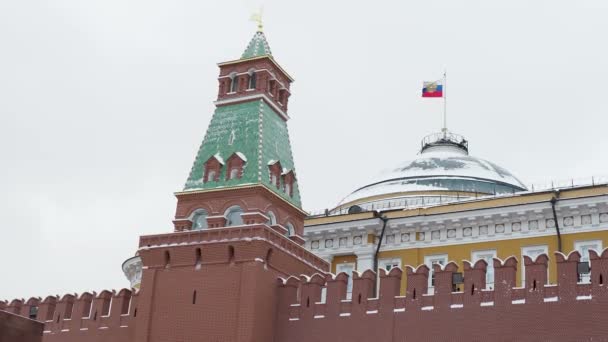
(432, 89)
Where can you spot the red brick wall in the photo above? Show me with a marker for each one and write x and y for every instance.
(564, 312)
(14, 328)
(235, 282)
(239, 297)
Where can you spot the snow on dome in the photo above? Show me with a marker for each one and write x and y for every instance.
(444, 165)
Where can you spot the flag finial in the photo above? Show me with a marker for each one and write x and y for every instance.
(257, 17)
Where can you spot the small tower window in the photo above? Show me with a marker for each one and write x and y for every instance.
(199, 220)
(212, 168)
(274, 169)
(235, 165)
(290, 230)
(234, 173)
(33, 312)
(234, 83)
(211, 176)
(252, 80)
(274, 179)
(233, 216)
(272, 218)
(288, 180)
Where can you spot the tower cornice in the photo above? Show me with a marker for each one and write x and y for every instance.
(240, 187)
(238, 61)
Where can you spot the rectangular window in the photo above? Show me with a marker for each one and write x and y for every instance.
(389, 264)
(532, 252)
(429, 261)
(488, 256)
(583, 248)
(347, 268)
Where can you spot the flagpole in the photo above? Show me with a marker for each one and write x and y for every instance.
(445, 103)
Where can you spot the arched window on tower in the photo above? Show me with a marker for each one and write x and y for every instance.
(233, 216)
(290, 229)
(211, 176)
(274, 170)
(234, 173)
(252, 80)
(199, 220)
(212, 168)
(272, 87)
(288, 180)
(235, 165)
(234, 83)
(272, 218)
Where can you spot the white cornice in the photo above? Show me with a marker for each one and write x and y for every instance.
(588, 214)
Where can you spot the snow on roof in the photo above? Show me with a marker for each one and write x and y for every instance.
(451, 164)
(272, 162)
(439, 170)
(219, 158)
(241, 155)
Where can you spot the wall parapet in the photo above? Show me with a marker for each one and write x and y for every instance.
(73, 313)
(301, 297)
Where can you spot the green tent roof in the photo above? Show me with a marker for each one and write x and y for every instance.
(257, 47)
(255, 132)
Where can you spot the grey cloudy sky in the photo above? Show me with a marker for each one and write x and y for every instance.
(103, 105)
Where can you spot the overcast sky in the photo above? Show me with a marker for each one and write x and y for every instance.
(103, 105)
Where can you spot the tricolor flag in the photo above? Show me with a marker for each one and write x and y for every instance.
(432, 89)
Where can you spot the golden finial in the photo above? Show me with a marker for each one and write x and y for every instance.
(257, 17)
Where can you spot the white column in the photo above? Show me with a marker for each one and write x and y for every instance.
(365, 261)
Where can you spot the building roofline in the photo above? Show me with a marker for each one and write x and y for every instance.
(521, 198)
(236, 61)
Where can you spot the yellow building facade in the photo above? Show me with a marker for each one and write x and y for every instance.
(473, 209)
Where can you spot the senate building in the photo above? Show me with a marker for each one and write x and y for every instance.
(443, 247)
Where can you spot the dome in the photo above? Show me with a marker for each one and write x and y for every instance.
(443, 172)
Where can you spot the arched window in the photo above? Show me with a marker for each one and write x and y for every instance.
(252, 80)
(233, 216)
(288, 189)
(199, 220)
(234, 83)
(234, 173)
(290, 229)
(274, 179)
(211, 176)
(272, 219)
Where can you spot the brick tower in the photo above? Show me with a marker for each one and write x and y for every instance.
(244, 169)
(238, 223)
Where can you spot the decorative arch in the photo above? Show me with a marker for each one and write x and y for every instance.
(233, 85)
(274, 171)
(233, 216)
(212, 168)
(252, 79)
(199, 219)
(235, 165)
(291, 229)
(272, 218)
